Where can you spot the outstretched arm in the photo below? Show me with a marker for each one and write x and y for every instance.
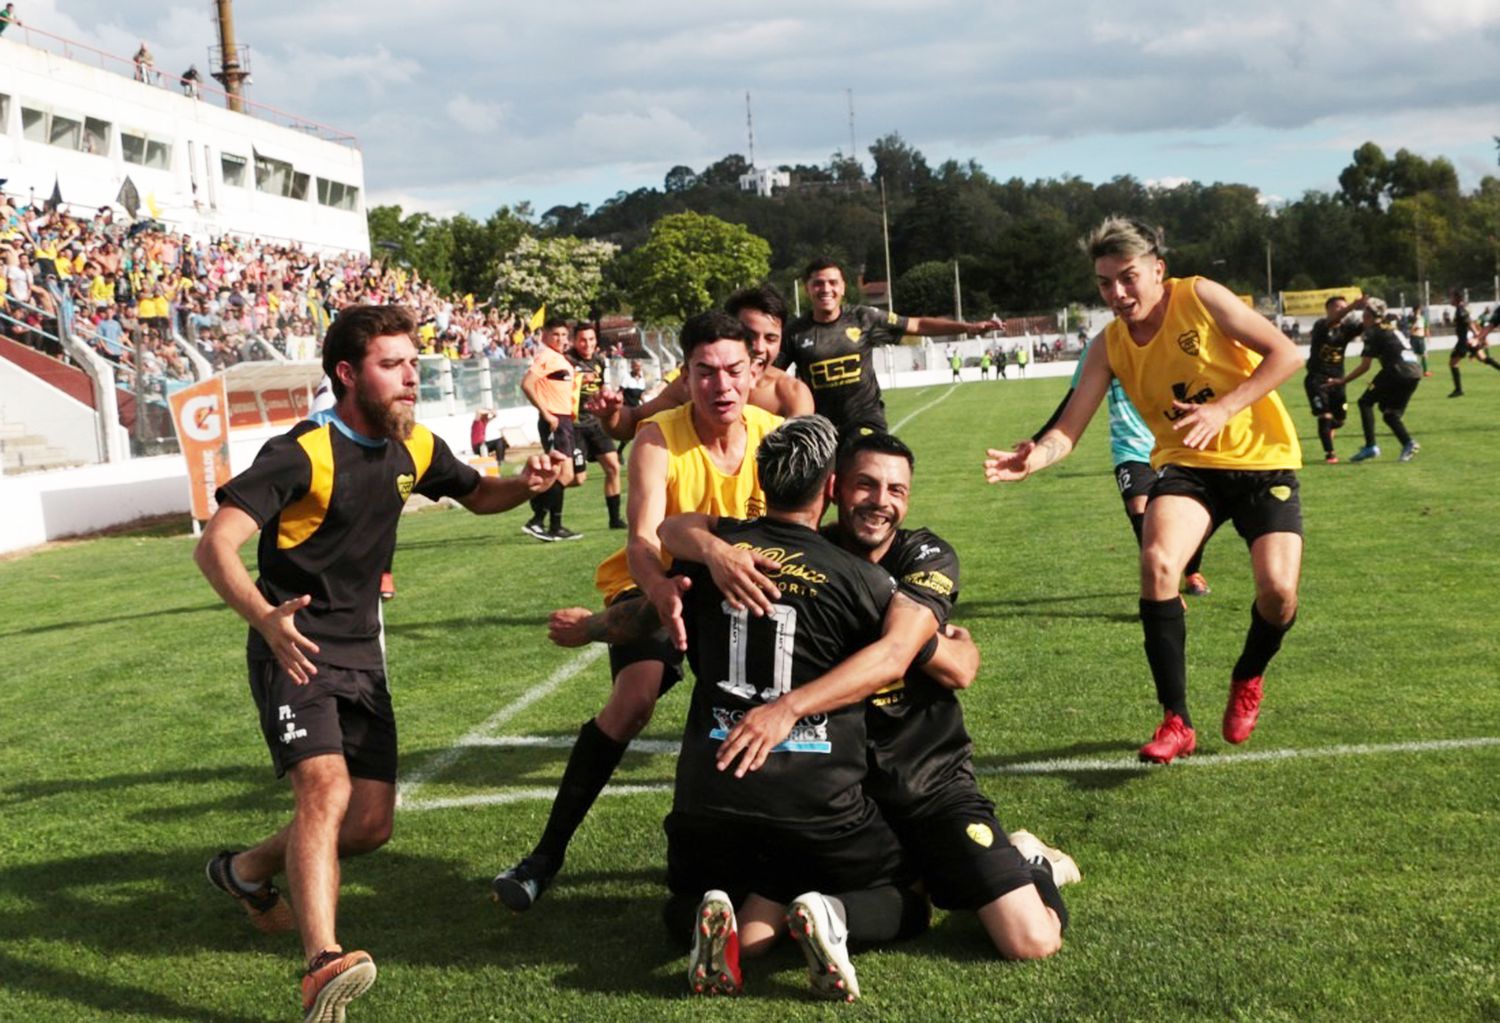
(497, 494)
(627, 621)
(621, 421)
(1055, 444)
(928, 326)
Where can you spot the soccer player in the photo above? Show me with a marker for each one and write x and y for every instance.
(695, 457)
(593, 441)
(548, 385)
(831, 347)
(761, 310)
(1130, 446)
(326, 499)
(1202, 369)
(1325, 364)
(1392, 388)
(751, 841)
(1418, 334)
(955, 364)
(1462, 325)
(921, 761)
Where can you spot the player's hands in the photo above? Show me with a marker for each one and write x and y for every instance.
(739, 574)
(606, 403)
(758, 732)
(666, 597)
(541, 471)
(1009, 466)
(984, 326)
(568, 626)
(279, 628)
(1203, 423)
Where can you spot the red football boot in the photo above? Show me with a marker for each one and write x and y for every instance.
(1243, 709)
(1173, 739)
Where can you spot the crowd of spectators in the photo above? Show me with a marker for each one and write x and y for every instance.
(134, 290)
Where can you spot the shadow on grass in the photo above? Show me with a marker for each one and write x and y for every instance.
(88, 991)
(260, 789)
(1039, 609)
(80, 624)
(445, 628)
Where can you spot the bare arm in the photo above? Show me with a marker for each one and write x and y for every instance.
(737, 572)
(795, 397)
(626, 621)
(907, 626)
(1059, 441)
(645, 509)
(624, 425)
(498, 494)
(1359, 371)
(1279, 360)
(218, 558)
(930, 325)
(955, 662)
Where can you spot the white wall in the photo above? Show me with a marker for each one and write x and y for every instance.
(47, 412)
(42, 506)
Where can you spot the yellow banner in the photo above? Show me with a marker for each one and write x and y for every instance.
(1310, 303)
(199, 414)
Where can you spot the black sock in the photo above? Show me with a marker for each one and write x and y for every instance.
(1261, 644)
(538, 509)
(887, 913)
(593, 759)
(1325, 434)
(1393, 420)
(1491, 363)
(1166, 652)
(1137, 525)
(612, 502)
(555, 505)
(1041, 876)
(1458, 381)
(1367, 422)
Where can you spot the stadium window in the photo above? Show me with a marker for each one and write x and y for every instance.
(145, 151)
(158, 154)
(96, 136)
(272, 176)
(65, 132)
(337, 195)
(299, 185)
(233, 169)
(4, 114)
(33, 124)
(133, 147)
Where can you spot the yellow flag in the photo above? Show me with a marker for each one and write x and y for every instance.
(469, 301)
(151, 205)
(538, 318)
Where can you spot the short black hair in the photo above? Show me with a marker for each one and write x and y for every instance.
(823, 263)
(553, 322)
(706, 328)
(763, 298)
(880, 443)
(1332, 299)
(352, 331)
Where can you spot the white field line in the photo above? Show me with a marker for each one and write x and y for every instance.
(565, 742)
(1051, 766)
(444, 760)
(914, 414)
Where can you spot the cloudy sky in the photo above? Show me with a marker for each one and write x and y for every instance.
(469, 105)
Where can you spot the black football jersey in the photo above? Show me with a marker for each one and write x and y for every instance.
(834, 360)
(590, 375)
(1393, 353)
(1325, 354)
(832, 603)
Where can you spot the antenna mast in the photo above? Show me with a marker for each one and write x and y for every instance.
(226, 61)
(750, 128)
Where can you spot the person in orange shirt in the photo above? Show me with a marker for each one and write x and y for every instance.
(1202, 368)
(548, 384)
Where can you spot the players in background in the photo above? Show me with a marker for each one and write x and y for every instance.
(548, 385)
(1202, 370)
(761, 311)
(695, 457)
(1130, 444)
(1393, 386)
(831, 347)
(593, 441)
(326, 499)
(1325, 364)
(921, 757)
(1417, 333)
(1462, 326)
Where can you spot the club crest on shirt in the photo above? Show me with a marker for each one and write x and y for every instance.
(404, 483)
(1188, 342)
(1281, 493)
(853, 333)
(981, 834)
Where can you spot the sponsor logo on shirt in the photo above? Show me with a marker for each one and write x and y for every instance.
(1181, 393)
(838, 372)
(809, 735)
(926, 551)
(935, 582)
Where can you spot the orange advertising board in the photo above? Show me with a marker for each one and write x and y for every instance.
(280, 410)
(244, 410)
(198, 415)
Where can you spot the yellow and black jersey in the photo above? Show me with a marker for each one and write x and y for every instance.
(1326, 346)
(834, 360)
(588, 379)
(831, 604)
(1190, 359)
(327, 501)
(695, 484)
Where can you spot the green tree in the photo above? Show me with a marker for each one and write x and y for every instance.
(418, 240)
(691, 262)
(567, 274)
(926, 290)
(478, 247)
(900, 167)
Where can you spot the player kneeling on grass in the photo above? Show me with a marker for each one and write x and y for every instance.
(792, 818)
(326, 497)
(1202, 369)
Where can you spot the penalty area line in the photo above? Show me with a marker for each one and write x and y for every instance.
(1048, 766)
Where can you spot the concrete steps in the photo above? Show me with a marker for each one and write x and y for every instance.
(28, 452)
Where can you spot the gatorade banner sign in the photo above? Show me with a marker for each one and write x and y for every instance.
(199, 416)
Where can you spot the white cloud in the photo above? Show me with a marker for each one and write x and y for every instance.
(471, 115)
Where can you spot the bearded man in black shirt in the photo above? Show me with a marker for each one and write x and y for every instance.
(1325, 363)
(1392, 388)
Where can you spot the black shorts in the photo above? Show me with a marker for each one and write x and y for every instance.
(962, 855)
(341, 710)
(593, 439)
(656, 647)
(745, 857)
(1418, 344)
(1134, 479)
(1257, 501)
(1325, 400)
(563, 438)
(1390, 391)
(1463, 348)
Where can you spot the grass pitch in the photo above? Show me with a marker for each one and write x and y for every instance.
(1343, 878)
